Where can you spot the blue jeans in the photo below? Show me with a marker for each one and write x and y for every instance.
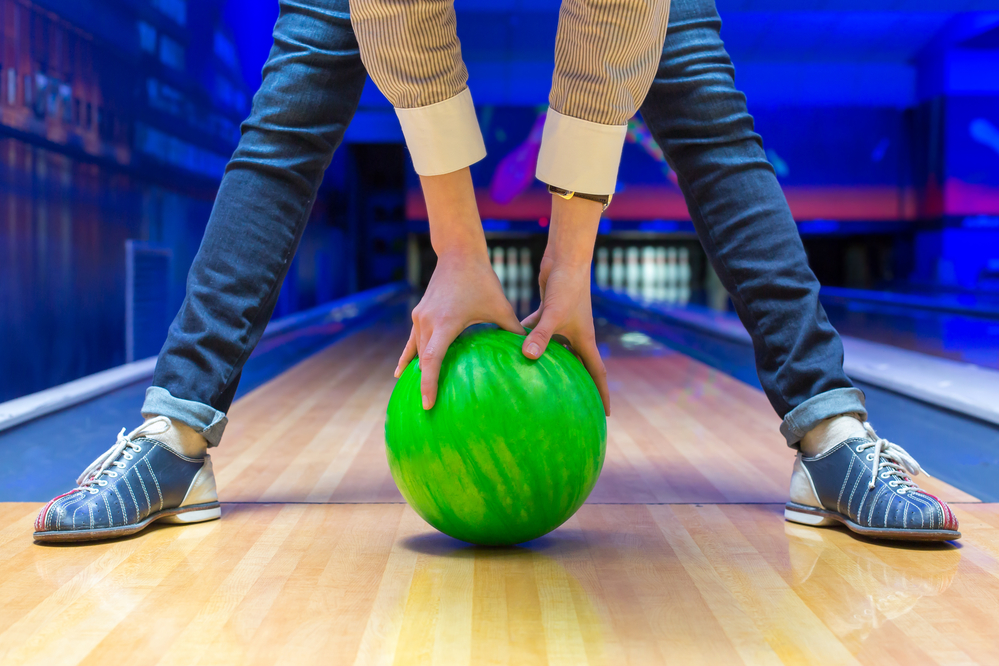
(699, 118)
(311, 88)
(312, 84)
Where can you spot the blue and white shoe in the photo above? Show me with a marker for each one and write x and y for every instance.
(137, 481)
(866, 484)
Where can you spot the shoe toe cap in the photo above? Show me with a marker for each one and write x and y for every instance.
(52, 516)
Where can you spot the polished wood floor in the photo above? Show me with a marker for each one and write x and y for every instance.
(681, 555)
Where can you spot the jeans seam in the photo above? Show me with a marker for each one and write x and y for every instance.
(792, 426)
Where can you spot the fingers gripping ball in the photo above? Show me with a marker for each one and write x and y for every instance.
(512, 448)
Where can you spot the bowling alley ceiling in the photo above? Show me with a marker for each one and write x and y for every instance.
(846, 52)
(891, 31)
(786, 52)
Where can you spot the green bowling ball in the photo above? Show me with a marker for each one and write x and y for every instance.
(511, 449)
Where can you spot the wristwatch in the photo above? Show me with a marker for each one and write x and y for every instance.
(604, 199)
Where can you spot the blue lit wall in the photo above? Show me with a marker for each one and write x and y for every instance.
(116, 121)
(251, 23)
(971, 182)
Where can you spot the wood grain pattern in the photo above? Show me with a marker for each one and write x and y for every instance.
(680, 556)
(618, 584)
(680, 432)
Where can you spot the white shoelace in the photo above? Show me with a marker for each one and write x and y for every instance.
(896, 461)
(123, 448)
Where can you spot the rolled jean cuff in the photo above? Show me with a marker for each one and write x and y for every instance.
(208, 421)
(808, 414)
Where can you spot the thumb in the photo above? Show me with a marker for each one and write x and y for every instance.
(537, 341)
(532, 319)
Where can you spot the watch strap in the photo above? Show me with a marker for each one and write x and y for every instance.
(603, 199)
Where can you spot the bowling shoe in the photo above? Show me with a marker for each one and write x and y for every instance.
(139, 480)
(866, 484)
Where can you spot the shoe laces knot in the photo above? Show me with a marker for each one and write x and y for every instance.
(896, 463)
(124, 445)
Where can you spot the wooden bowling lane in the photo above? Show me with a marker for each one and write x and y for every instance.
(679, 432)
(680, 556)
(618, 584)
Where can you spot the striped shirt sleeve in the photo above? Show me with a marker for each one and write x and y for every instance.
(606, 55)
(412, 53)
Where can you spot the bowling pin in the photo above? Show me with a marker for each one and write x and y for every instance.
(602, 270)
(683, 277)
(671, 275)
(617, 269)
(660, 273)
(717, 296)
(526, 270)
(512, 276)
(648, 273)
(527, 280)
(633, 273)
(499, 266)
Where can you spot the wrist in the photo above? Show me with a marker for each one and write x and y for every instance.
(570, 254)
(462, 252)
(455, 228)
(458, 237)
(573, 231)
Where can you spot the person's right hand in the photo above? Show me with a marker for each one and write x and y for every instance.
(566, 310)
(463, 291)
(564, 280)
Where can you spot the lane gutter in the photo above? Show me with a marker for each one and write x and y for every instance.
(960, 387)
(27, 408)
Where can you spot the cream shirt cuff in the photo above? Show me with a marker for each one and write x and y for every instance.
(443, 137)
(580, 156)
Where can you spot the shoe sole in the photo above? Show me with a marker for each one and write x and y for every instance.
(815, 517)
(182, 515)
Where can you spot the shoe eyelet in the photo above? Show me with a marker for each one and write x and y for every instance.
(92, 491)
(102, 483)
(893, 484)
(870, 456)
(113, 475)
(885, 475)
(858, 448)
(127, 456)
